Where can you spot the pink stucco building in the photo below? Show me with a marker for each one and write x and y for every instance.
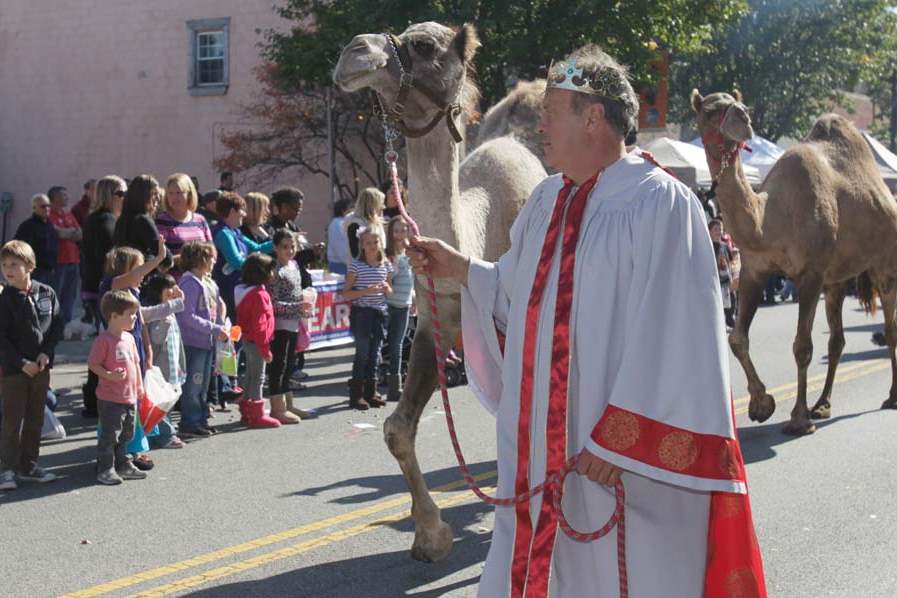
(94, 87)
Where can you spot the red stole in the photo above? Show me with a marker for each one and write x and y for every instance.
(532, 553)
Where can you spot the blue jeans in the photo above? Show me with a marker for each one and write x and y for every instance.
(194, 406)
(65, 282)
(337, 267)
(398, 326)
(366, 324)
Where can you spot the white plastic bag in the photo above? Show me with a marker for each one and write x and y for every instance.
(52, 429)
(159, 398)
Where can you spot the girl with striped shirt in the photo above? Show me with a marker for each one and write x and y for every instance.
(368, 282)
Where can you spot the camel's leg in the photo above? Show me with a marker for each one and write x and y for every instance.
(888, 292)
(834, 300)
(810, 287)
(432, 536)
(750, 293)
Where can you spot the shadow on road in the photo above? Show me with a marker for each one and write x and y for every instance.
(377, 487)
(758, 442)
(383, 575)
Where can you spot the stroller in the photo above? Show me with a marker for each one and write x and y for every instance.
(454, 368)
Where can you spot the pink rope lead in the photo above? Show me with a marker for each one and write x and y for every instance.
(617, 518)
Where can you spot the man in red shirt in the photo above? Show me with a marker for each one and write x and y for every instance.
(68, 258)
(82, 208)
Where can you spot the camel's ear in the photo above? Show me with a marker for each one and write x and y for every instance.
(696, 100)
(466, 42)
(737, 95)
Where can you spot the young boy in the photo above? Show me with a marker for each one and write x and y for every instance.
(113, 358)
(30, 326)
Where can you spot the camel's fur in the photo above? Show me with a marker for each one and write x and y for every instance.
(823, 216)
(469, 204)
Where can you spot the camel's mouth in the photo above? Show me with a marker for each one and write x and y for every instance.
(353, 78)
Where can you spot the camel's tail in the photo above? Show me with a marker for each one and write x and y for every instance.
(867, 294)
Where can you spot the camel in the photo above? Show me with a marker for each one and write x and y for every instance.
(823, 216)
(470, 205)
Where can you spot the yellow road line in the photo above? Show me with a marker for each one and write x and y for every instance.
(289, 551)
(230, 551)
(853, 371)
(839, 379)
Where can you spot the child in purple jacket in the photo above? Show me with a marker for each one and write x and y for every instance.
(202, 320)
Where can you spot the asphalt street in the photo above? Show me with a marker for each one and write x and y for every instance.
(320, 509)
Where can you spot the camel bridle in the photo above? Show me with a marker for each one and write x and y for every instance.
(401, 58)
(719, 148)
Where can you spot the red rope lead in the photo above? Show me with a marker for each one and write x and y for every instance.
(617, 518)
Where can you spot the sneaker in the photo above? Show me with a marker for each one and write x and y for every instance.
(129, 472)
(300, 375)
(143, 463)
(109, 477)
(197, 433)
(37, 474)
(210, 429)
(173, 443)
(8, 480)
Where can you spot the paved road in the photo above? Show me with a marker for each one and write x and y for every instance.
(318, 509)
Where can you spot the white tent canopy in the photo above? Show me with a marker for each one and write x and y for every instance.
(887, 161)
(763, 154)
(688, 162)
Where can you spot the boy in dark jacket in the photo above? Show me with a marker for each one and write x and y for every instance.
(30, 328)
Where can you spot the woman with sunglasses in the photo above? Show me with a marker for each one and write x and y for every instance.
(99, 230)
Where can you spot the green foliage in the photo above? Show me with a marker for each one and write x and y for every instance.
(519, 38)
(789, 58)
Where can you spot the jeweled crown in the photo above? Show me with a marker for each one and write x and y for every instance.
(606, 82)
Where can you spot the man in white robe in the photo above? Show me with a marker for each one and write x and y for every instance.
(600, 334)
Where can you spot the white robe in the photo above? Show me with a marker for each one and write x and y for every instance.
(647, 337)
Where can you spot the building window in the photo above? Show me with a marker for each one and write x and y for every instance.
(207, 41)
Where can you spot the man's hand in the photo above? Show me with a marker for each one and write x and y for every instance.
(43, 361)
(177, 292)
(438, 259)
(222, 335)
(31, 368)
(597, 469)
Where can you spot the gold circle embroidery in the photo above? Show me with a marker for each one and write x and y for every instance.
(741, 583)
(620, 431)
(727, 462)
(678, 450)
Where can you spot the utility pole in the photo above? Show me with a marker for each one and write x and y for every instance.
(331, 155)
(894, 111)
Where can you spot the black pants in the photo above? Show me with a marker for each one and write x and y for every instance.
(283, 347)
(89, 393)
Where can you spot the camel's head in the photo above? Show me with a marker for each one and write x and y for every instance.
(721, 117)
(436, 57)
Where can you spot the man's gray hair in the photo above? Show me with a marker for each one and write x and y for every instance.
(37, 197)
(621, 111)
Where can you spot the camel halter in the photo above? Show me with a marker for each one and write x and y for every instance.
(716, 139)
(618, 517)
(402, 59)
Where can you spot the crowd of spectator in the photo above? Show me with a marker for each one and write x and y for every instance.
(166, 279)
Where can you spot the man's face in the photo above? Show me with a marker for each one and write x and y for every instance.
(60, 199)
(41, 208)
(289, 211)
(562, 128)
